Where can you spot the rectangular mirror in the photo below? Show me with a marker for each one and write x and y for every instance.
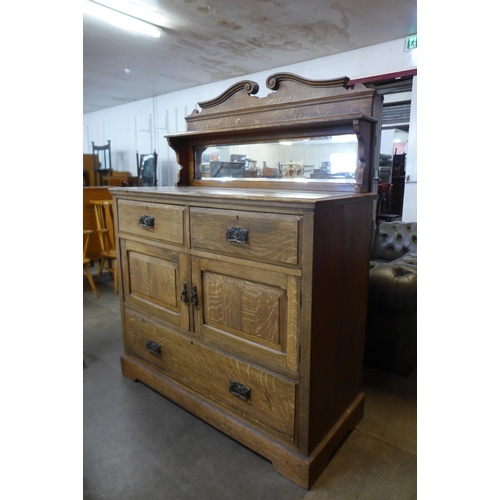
(311, 159)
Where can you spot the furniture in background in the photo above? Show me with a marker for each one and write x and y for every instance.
(385, 203)
(398, 181)
(120, 179)
(89, 220)
(244, 300)
(88, 170)
(391, 325)
(147, 169)
(391, 187)
(102, 162)
(105, 231)
(86, 261)
(385, 168)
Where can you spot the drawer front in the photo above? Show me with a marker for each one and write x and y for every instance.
(152, 220)
(258, 236)
(261, 398)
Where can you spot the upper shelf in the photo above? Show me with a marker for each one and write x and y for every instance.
(238, 139)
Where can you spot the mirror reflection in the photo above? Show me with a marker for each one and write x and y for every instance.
(330, 158)
(147, 170)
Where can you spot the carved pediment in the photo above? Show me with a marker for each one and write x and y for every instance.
(291, 100)
(239, 91)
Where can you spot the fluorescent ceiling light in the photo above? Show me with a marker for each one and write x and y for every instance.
(120, 19)
(344, 138)
(289, 143)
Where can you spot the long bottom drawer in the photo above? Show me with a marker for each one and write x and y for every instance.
(264, 399)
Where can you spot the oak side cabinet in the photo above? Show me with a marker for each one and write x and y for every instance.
(244, 299)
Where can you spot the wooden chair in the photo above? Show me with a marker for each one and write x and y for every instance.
(101, 156)
(105, 230)
(86, 236)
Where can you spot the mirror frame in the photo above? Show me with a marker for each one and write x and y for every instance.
(297, 108)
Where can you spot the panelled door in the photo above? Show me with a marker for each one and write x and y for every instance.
(155, 280)
(249, 310)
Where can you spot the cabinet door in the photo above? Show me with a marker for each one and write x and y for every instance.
(250, 311)
(154, 279)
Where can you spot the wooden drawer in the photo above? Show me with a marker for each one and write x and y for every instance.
(264, 237)
(260, 397)
(152, 220)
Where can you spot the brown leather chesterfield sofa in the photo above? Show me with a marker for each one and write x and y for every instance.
(391, 329)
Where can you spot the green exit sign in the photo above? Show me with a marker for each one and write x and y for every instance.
(411, 42)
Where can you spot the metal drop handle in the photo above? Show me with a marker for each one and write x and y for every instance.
(194, 297)
(184, 293)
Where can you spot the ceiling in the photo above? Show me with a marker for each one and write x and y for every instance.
(205, 41)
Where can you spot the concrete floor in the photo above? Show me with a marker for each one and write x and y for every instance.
(139, 445)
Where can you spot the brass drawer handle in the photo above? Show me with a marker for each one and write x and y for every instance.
(240, 390)
(146, 221)
(153, 347)
(237, 235)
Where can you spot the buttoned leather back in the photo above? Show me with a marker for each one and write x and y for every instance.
(393, 240)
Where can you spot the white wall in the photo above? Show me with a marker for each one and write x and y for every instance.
(410, 198)
(142, 125)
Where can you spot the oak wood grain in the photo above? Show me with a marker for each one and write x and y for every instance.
(261, 337)
(298, 108)
(249, 311)
(168, 220)
(301, 322)
(341, 259)
(271, 237)
(209, 372)
(153, 280)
